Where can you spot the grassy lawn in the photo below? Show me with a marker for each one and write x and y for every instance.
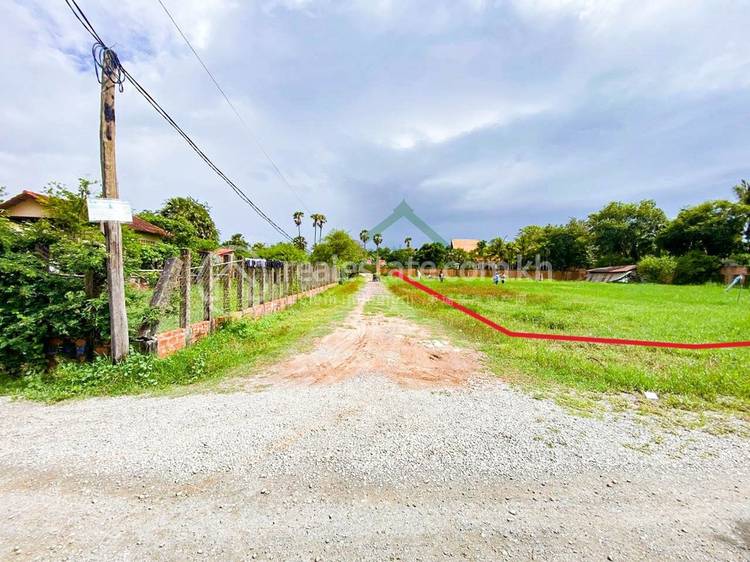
(234, 349)
(688, 379)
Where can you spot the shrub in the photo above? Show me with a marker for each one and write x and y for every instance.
(696, 267)
(653, 269)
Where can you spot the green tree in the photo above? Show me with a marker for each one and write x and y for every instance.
(316, 218)
(742, 190)
(193, 212)
(715, 228)
(528, 243)
(653, 269)
(298, 216)
(364, 236)
(480, 252)
(433, 252)
(566, 246)
(42, 270)
(624, 232)
(282, 251)
(497, 249)
(696, 267)
(338, 247)
(300, 242)
(378, 240)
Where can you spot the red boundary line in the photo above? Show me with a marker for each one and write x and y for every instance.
(563, 337)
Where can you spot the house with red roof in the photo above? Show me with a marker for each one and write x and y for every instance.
(29, 206)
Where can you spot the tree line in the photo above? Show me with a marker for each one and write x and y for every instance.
(690, 248)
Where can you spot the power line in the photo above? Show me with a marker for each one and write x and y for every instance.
(99, 45)
(234, 109)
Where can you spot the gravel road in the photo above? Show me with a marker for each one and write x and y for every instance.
(363, 468)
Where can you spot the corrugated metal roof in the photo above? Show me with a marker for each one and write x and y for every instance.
(613, 269)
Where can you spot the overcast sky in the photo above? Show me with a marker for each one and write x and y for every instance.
(485, 115)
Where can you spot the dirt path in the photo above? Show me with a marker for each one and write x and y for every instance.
(377, 445)
(391, 347)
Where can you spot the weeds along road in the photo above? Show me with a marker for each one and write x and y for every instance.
(382, 442)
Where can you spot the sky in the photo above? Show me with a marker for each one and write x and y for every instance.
(485, 115)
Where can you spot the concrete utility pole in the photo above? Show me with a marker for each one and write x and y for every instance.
(118, 319)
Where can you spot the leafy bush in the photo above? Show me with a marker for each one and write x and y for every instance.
(653, 269)
(696, 267)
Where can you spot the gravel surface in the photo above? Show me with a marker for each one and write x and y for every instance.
(363, 468)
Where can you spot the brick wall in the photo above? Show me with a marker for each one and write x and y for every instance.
(174, 340)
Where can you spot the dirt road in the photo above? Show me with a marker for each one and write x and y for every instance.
(359, 450)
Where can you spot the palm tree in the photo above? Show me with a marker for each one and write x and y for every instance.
(378, 239)
(321, 221)
(300, 242)
(407, 241)
(315, 218)
(298, 216)
(364, 235)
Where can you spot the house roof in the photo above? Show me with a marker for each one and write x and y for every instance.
(224, 251)
(138, 224)
(143, 226)
(23, 196)
(466, 244)
(613, 269)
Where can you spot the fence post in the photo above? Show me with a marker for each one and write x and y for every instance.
(208, 287)
(286, 279)
(251, 289)
(240, 272)
(185, 291)
(262, 286)
(225, 281)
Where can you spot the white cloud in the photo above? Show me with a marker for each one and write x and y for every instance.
(539, 106)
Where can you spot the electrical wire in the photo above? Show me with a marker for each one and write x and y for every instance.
(233, 108)
(100, 47)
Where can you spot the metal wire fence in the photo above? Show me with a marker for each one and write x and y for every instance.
(186, 294)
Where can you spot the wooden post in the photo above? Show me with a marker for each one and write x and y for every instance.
(185, 291)
(274, 283)
(208, 287)
(262, 286)
(118, 318)
(240, 272)
(226, 281)
(251, 297)
(286, 279)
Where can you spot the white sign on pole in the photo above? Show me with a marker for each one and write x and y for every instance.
(109, 210)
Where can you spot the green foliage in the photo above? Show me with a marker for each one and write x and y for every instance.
(657, 269)
(624, 232)
(42, 290)
(432, 252)
(454, 257)
(337, 247)
(715, 228)
(194, 213)
(528, 243)
(696, 267)
(566, 246)
(43, 265)
(234, 349)
(283, 251)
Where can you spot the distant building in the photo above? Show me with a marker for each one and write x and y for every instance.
(613, 274)
(29, 206)
(466, 244)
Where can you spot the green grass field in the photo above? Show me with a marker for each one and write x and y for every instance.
(691, 379)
